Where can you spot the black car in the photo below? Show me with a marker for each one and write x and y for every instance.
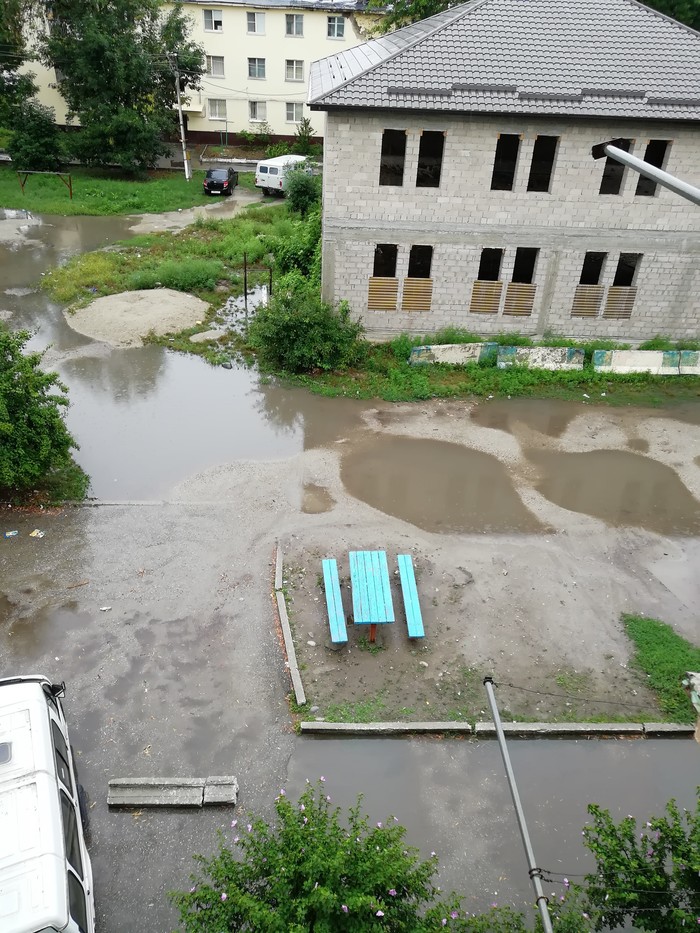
(220, 181)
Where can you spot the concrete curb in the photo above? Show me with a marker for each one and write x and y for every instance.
(384, 728)
(298, 686)
(487, 730)
(172, 792)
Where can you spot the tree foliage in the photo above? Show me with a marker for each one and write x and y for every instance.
(36, 142)
(303, 190)
(16, 87)
(299, 333)
(34, 439)
(404, 12)
(650, 876)
(117, 63)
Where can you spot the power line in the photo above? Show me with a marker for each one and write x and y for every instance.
(574, 696)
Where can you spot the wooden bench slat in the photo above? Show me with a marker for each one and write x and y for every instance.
(409, 590)
(334, 601)
(371, 590)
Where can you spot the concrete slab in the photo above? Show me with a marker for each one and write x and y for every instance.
(559, 358)
(455, 354)
(384, 728)
(155, 792)
(485, 729)
(297, 685)
(220, 790)
(657, 362)
(278, 568)
(672, 729)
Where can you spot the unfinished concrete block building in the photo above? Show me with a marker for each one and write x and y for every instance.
(459, 185)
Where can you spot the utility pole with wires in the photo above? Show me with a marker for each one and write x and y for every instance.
(172, 58)
(534, 872)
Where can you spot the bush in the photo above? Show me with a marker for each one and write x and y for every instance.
(312, 872)
(301, 248)
(34, 441)
(303, 190)
(299, 333)
(277, 149)
(37, 143)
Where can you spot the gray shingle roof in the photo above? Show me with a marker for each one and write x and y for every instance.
(601, 58)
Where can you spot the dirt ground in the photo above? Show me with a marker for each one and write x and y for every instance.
(538, 611)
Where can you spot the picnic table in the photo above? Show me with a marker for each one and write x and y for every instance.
(371, 590)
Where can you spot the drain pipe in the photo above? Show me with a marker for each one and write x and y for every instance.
(534, 872)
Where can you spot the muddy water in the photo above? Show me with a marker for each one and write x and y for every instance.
(618, 487)
(435, 485)
(548, 416)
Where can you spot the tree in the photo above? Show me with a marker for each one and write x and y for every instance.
(16, 87)
(117, 63)
(649, 876)
(303, 189)
(36, 142)
(404, 12)
(34, 439)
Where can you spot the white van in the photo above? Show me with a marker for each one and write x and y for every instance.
(45, 872)
(270, 174)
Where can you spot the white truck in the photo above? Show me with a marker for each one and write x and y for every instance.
(271, 174)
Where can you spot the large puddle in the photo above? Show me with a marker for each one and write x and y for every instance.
(618, 487)
(548, 416)
(435, 485)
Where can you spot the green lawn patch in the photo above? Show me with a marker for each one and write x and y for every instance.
(103, 191)
(664, 657)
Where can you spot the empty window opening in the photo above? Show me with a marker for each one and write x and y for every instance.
(393, 157)
(655, 154)
(614, 172)
(385, 260)
(626, 272)
(592, 268)
(542, 165)
(490, 265)
(419, 262)
(524, 265)
(504, 163)
(430, 160)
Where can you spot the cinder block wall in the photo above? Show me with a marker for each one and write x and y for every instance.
(463, 216)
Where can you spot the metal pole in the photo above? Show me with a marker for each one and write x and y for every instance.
(534, 872)
(685, 190)
(245, 283)
(173, 61)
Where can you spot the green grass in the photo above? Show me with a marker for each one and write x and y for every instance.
(103, 191)
(664, 657)
(369, 710)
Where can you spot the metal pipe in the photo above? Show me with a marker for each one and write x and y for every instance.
(534, 872)
(685, 190)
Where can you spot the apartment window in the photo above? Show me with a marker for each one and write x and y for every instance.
(217, 109)
(213, 21)
(430, 159)
(294, 69)
(215, 66)
(419, 262)
(256, 67)
(655, 154)
(385, 260)
(490, 265)
(504, 162)
(542, 165)
(626, 272)
(336, 27)
(614, 172)
(294, 24)
(256, 23)
(592, 268)
(393, 157)
(257, 111)
(295, 113)
(524, 265)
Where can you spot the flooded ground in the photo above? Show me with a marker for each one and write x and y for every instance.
(532, 526)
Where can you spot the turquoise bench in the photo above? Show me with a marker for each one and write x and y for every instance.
(414, 619)
(334, 602)
(371, 590)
